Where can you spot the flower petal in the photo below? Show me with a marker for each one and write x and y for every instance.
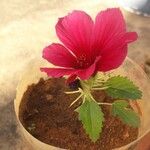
(113, 60)
(57, 72)
(71, 78)
(85, 74)
(74, 30)
(108, 25)
(111, 38)
(113, 53)
(130, 37)
(59, 55)
(81, 73)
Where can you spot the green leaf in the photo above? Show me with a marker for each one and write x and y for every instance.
(91, 115)
(122, 88)
(127, 115)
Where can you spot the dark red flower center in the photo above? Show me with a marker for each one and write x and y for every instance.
(82, 62)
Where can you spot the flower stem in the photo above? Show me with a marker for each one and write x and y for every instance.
(76, 99)
(86, 91)
(72, 92)
(100, 88)
(109, 104)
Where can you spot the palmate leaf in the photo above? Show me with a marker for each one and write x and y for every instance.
(127, 115)
(122, 88)
(91, 117)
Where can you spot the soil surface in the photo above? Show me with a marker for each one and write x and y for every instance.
(46, 114)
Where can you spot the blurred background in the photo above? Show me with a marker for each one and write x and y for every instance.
(26, 26)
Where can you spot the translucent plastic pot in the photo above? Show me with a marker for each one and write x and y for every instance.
(129, 68)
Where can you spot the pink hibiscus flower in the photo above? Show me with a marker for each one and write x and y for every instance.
(88, 47)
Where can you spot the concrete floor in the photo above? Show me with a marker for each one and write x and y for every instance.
(26, 26)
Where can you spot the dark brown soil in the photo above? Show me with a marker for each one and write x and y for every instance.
(45, 113)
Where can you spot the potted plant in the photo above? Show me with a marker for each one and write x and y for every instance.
(95, 98)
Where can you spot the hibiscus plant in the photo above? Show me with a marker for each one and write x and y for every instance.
(90, 51)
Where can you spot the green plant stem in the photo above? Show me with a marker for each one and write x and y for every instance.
(100, 88)
(101, 81)
(109, 104)
(76, 99)
(86, 90)
(72, 92)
